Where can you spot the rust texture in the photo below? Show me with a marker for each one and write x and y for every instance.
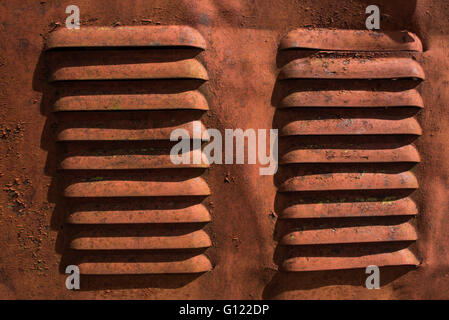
(350, 40)
(135, 36)
(363, 143)
(373, 169)
(129, 118)
(343, 68)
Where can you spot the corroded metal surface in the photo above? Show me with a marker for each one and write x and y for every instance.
(401, 207)
(98, 241)
(244, 214)
(193, 214)
(123, 162)
(115, 130)
(192, 100)
(400, 258)
(407, 126)
(350, 181)
(402, 232)
(343, 68)
(192, 187)
(406, 153)
(342, 197)
(161, 70)
(351, 40)
(196, 264)
(138, 36)
(115, 117)
(354, 98)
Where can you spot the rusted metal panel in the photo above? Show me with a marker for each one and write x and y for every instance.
(192, 214)
(190, 100)
(89, 119)
(243, 64)
(408, 126)
(361, 208)
(196, 264)
(98, 241)
(129, 36)
(399, 258)
(332, 193)
(350, 40)
(359, 68)
(352, 99)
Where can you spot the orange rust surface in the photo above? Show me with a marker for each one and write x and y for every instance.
(351, 40)
(403, 232)
(343, 68)
(136, 36)
(244, 65)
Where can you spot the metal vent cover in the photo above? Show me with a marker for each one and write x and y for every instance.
(121, 92)
(347, 132)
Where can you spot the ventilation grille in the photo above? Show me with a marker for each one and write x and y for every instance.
(346, 131)
(120, 92)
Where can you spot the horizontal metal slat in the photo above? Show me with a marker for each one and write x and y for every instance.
(406, 153)
(388, 207)
(127, 36)
(408, 126)
(92, 241)
(350, 40)
(196, 264)
(190, 100)
(183, 69)
(122, 130)
(402, 257)
(350, 181)
(364, 234)
(192, 214)
(116, 188)
(352, 99)
(346, 68)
